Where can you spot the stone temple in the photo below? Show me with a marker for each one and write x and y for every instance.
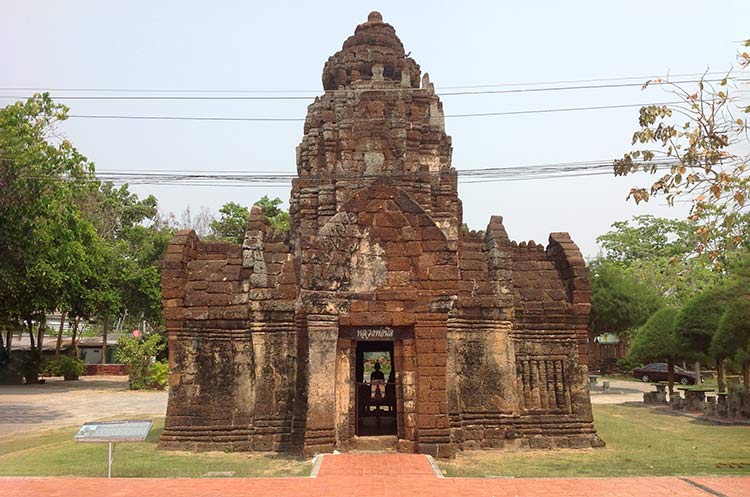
(377, 314)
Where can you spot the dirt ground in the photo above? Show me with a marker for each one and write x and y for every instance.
(619, 391)
(25, 408)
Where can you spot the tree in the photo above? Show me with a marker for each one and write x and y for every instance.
(278, 218)
(619, 303)
(656, 341)
(648, 237)
(133, 243)
(698, 321)
(657, 253)
(232, 223)
(732, 337)
(200, 222)
(42, 236)
(138, 353)
(699, 148)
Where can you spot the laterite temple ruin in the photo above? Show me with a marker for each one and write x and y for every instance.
(377, 314)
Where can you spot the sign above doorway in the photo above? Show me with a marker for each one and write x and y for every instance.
(376, 333)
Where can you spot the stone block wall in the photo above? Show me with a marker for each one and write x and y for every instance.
(105, 369)
(514, 358)
(229, 313)
(381, 261)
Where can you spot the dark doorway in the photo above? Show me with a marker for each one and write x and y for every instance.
(376, 389)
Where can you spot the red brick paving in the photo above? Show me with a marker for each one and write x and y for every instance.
(374, 475)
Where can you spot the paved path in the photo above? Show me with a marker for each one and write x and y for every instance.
(381, 475)
(59, 403)
(66, 403)
(620, 391)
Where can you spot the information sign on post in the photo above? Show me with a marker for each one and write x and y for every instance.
(111, 432)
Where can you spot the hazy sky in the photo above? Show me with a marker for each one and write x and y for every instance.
(283, 46)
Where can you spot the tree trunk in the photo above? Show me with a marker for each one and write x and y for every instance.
(746, 377)
(720, 375)
(105, 329)
(31, 373)
(73, 352)
(697, 372)
(60, 334)
(670, 377)
(9, 340)
(40, 338)
(30, 324)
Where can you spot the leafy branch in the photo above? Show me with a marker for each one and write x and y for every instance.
(699, 149)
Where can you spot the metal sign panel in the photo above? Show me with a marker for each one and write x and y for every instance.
(114, 431)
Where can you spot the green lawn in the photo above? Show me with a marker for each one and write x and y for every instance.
(640, 442)
(55, 454)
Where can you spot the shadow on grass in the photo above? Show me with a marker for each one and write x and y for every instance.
(56, 454)
(695, 417)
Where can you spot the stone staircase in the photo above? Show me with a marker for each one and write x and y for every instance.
(382, 443)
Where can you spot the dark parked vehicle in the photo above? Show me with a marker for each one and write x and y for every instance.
(657, 371)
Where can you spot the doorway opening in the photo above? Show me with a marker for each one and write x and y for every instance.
(376, 389)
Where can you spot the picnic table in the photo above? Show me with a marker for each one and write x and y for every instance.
(592, 380)
(661, 387)
(657, 397)
(694, 396)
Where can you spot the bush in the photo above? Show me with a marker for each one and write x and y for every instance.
(11, 372)
(627, 365)
(158, 373)
(68, 367)
(29, 366)
(138, 353)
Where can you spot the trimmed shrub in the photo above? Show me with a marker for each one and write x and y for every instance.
(68, 367)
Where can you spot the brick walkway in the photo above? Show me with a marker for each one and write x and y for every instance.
(376, 475)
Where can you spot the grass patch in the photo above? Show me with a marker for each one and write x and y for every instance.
(54, 453)
(640, 442)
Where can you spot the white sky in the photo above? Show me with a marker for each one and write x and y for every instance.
(283, 46)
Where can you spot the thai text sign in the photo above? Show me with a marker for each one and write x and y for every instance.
(113, 431)
(384, 333)
(377, 333)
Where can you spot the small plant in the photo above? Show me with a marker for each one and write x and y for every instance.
(138, 353)
(69, 368)
(158, 373)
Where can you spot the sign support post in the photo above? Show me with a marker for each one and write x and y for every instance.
(109, 459)
(111, 432)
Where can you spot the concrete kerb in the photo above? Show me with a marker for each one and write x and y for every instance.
(434, 466)
(316, 463)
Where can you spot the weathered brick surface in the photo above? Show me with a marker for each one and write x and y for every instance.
(258, 359)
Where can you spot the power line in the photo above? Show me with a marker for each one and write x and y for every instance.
(564, 109)
(283, 179)
(300, 119)
(354, 90)
(496, 85)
